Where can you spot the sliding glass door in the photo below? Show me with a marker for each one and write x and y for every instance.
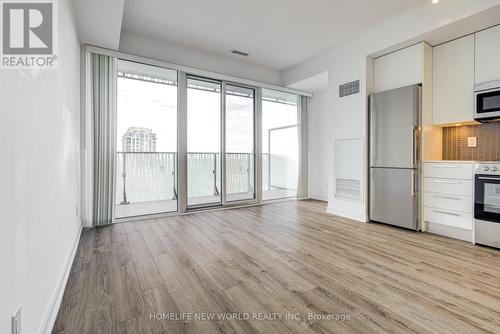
(239, 143)
(220, 143)
(280, 145)
(215, 133)
(146, 124)
(204, 102)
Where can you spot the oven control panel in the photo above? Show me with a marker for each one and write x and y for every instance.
(488, 168)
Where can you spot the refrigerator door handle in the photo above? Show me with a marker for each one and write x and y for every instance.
(415, 145)
(413, 184)
(373, 129)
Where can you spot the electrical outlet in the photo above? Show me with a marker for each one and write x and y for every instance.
(16, 322)
(471, 141)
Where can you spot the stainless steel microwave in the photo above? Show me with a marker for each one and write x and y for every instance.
(487, 102)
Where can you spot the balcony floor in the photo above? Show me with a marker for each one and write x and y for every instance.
(164, 206)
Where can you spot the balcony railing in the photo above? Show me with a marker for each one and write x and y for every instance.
(152, 176)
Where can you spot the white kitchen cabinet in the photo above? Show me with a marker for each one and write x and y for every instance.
(450, 170)
(451, 218)
(454, 203)
(398, 69)
(453, 82)
(448, 186)
(448, 198)
(488, 55)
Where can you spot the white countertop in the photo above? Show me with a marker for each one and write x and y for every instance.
(451, 161)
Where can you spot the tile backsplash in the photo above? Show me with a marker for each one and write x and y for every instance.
(488, 142)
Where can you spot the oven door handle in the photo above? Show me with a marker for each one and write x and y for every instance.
(489, 178)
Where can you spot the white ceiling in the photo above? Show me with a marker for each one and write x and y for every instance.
(277, 33)
(315, 83)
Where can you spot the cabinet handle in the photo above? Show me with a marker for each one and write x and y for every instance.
(446, 182)
(446, 166)
(448, 213)
(447, 197)
(489, 178)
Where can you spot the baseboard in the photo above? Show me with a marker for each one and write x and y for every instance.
(319, 198)
(361, 217)
(56, 300)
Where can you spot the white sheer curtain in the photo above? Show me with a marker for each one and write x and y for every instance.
(303, 186)
(100, 102)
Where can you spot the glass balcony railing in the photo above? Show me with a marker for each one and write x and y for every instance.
(148, 180)
(152, 176)
(145, 176)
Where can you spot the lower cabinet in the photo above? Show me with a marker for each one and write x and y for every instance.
(448, 199)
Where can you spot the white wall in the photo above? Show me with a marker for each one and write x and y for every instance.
(318, 145)
(39, 178)
(348, 62)
(172, 53)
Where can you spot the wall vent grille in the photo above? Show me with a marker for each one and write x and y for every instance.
(348, 188)
(349, 88)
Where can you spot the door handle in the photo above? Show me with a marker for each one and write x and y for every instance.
(489, 178)
(412, 183)
(373, 132)
(415, 129)
(414, 187)
(416, 145)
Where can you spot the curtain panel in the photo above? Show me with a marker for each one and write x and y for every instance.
(101, 108)
(303, 186)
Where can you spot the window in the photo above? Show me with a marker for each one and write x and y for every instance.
(203, 142)
(146, 175)
(280, 150)
(217, 134)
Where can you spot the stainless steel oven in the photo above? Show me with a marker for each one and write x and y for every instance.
(487, 204)
(487, 101)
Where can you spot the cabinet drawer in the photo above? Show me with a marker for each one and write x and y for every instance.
(448, 217)
(449, 170)
(448, 186)
(448, 202)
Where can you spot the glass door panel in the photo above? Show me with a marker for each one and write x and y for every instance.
(239, 143)
(146, 164)
(279, 144)
(203, 142)
(283, 162)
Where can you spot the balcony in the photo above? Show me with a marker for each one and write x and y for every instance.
(147, 181)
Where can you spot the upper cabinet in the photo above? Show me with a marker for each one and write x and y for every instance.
(398, 69)
(488, 55)
(453, 81)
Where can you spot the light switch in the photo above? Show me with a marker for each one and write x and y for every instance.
(472, 141)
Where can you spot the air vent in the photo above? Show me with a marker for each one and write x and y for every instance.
(240, 53)
(347, 188)
(349, 88)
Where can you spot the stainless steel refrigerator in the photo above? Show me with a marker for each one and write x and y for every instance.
(395, 123)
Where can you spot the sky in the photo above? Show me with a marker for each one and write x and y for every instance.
(154, 106)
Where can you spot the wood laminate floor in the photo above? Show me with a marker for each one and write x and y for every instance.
(286, 259)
